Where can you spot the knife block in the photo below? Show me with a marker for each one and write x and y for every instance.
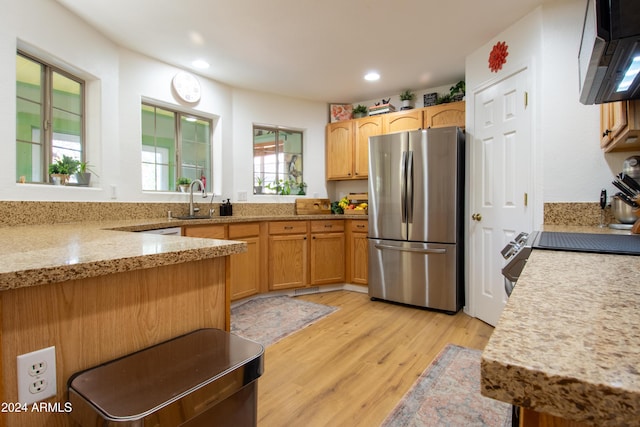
(636, 226)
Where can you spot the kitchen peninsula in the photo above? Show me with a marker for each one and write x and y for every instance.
(568, 343)
(97, 294)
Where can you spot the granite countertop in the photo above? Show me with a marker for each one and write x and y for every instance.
(568, 341)
(39, 254)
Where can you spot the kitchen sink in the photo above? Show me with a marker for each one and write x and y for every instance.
(193, 217)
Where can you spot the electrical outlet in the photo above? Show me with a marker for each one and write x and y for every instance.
(37, 375)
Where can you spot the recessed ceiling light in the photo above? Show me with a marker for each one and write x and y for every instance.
(372, 76)
(200, 64)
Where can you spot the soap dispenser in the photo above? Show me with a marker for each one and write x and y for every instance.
(229, 208)
(226, 209)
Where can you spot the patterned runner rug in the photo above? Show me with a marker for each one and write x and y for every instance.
(448, 394)
(268, 320)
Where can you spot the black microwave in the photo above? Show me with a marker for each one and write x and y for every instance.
(609, 55)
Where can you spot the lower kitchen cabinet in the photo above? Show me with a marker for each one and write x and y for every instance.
(246, 268)
(287, 254)
(357, 252)
(327, 252)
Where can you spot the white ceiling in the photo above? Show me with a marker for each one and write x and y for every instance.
(310, 49)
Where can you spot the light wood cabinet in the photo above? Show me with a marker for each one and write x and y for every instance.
(363, 129)
(327, 255)
(247, 269)
(357, 252)
(288, 254)
(347, 142)
(451, 114)
(620, 126)
(339, 150)
(403, 120)
(347, 147)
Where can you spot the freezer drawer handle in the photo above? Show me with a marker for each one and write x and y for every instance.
(422, 251)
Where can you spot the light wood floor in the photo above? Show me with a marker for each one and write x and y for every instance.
(352, 367)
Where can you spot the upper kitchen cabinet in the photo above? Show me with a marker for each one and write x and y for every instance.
(347, 143)
(452, 114)
(620, 126)
(339, 146)
(348, 147)
(403, 120)
(363, 129)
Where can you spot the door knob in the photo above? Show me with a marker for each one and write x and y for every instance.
(476, 217)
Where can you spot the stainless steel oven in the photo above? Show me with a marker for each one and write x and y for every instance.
(516, 253)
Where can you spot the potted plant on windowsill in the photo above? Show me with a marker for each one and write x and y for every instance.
(60, 170)
(359, 111)
(257, 189)
(183, 184)
(83, 175)
(407, 99)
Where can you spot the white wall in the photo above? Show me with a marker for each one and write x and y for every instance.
(569, 164)
(251, 108)
(575, 168)
(117, 81)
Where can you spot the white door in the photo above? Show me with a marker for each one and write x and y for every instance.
(500, 184)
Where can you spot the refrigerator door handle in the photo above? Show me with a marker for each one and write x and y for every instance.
(403, 186)
(419, 250)
(409, 194)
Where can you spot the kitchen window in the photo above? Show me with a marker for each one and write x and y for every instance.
(174, 145)
(277, 161)
(50, 117)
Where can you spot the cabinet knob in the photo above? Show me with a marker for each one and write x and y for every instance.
(606, 133)
(476, 217)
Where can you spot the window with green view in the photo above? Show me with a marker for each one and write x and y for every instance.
(277, 161)
(174, 145)
(49, 117)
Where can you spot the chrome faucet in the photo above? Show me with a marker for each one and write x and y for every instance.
(192, 210)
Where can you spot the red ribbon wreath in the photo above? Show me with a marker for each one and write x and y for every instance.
(498, 56)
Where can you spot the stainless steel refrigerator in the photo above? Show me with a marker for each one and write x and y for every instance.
(416, 203)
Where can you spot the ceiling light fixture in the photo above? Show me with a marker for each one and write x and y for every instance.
(372, 76)
(200, 64)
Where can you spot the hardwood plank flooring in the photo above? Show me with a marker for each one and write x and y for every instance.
(352, 367)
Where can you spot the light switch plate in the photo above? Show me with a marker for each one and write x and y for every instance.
(242, 196)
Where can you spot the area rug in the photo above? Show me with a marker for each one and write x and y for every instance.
(447, 393)
(268, 320)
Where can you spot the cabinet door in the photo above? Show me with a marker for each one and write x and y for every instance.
(620, 126)
(245, 270)
(339, 146)
(327, 258)
(364, 128)
(452, 114)
(287, 261)
(404, 120)
(358, 252)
